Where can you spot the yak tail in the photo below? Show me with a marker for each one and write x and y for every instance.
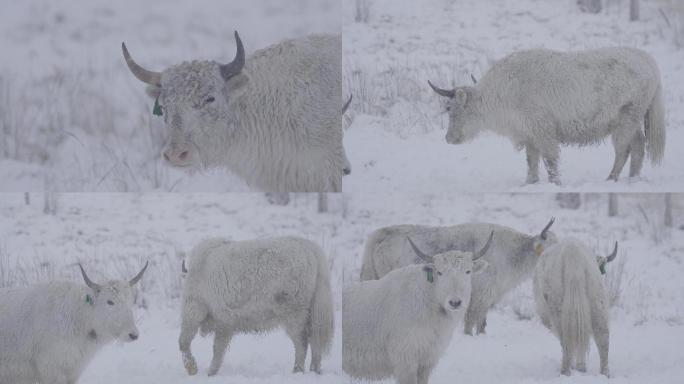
(654, 127)
(368, 271)
(322, 315)
(576, 328)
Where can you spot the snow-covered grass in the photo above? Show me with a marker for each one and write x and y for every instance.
(396, 138)
(113, 235)
(73, 118)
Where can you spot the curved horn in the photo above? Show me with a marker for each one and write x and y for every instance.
(234, 67)
(484, 249)
(149, 77)
(423, 256)
(473, 79)
(183, 269)
(346, 105)
(546, 229)
(450, 93)
(613, 255)
(89, 283)
(139, 275)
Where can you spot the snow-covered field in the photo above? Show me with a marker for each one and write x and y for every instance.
(72, 116)
(396, 138)
(113, 234)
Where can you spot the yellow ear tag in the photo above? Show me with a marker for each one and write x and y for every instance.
(538, 249)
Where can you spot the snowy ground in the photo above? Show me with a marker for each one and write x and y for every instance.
(112, 234)
(73, 118)
(396, 138)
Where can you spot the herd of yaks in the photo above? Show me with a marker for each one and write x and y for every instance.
(419, 282)
(540, 99)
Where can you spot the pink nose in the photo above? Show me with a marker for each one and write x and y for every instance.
(176, 156)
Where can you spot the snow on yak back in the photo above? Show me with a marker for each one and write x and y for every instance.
(400, 325)
(541, 99)
(512, 258)
(49, 332)
(571, 301)
(234, 287)
(272, 117)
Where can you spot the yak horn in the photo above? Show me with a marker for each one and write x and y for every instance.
(543, 232)
(484, 249)
(89, 283)
(148, 77)
(346, 105)
(183, 269)
(473, 79)
(613, 255)
(234, 67)
(450, 93)
(423, 256)
(138, 276)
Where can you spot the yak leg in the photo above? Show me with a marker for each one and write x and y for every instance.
(602, 338)
(532, 164)
(623, 135)
(566, 361)
(221, 340)
(406, 374)
(581, 361)
(636, 152)
(424, 374)
(296, 328)
(551, 159)
(193, 315)
(482, 325)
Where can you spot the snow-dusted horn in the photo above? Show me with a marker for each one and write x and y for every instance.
(450, 93)
(148, 77)
(423, 256)
(89, 283)
(484, 249)
(543, 232)
(234, 67)
(613, 255)
(139, 275)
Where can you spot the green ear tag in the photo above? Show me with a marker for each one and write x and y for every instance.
(89, 300)
(602, 268)
(430, 278)
(156, 110)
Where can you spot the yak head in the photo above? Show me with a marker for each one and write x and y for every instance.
(603, 260)
(544, 239)
(460, 106)
(450, 272)
(193, 98)
(111, 305)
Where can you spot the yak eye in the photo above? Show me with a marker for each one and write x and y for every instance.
(439, 273)
(209, 99)
(448, 109)
(110, 302)
(468, 272)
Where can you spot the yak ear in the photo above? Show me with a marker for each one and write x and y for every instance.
(153, 91)
(236, 84)
(479, 266)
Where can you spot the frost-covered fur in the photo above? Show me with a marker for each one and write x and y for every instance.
(512, 258)
(541, 99)
(400, 325)
(253, 287)
(571, 301)
(50, 332)
(277, 124)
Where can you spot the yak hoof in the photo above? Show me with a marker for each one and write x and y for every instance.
(612, 177)
(191, 367)
(298, 369)
(532, 180)
(565, 372)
